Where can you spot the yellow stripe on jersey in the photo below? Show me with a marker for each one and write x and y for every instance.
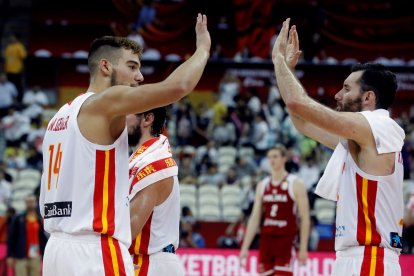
(137, 243)
(368, 233)
(114, 257)
(105, 195)
(373, 261)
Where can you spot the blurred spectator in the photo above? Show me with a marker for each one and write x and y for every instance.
(15, 158)
(212, 176)
(146, 14)
(234, 234)
(219, 111)
(229, 87)
(309, 171)
(210, 150)
(136, 36)
(14, 54)
(187, 173)
(224, 133)
(243, 55)
(187, 237)
(5, 189)
(217, 53)
(35, 101)
(26, 240)
(244, 167)
(187, 216)
(260, 139)
(8, 94)
(253, 102)
(232, 177)
(16, 127)
(185, 119)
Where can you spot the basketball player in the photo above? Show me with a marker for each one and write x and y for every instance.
(365, 172)
(84, 190)
(155, 196)
(280, 199)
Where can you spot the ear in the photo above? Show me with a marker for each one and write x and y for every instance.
(369, 97)
(148, 119)
(105, 66)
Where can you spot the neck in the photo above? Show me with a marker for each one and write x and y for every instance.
(98, 85)
(144, 138)
(278, 175)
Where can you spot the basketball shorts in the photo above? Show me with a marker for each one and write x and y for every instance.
(160, 263)
(366, 260)
(86, 255)
(276, 254)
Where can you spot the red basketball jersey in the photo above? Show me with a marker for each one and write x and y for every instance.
(280, 211)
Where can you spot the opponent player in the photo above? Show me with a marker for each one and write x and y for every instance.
(84, 189)
(155, 196)
(365, 172)
(280, 199)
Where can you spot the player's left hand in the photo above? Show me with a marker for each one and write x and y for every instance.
(303, 257)
(287, 45)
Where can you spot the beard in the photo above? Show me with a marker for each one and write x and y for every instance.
(114, 78)
(134, 136)
(351, 106)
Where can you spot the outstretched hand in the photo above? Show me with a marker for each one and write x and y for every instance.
(203, 36)
(287, 45)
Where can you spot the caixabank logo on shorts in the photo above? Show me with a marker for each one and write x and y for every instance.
(58, 209)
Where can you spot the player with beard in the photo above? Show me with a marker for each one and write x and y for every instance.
(84, 189)
(154, 196)
(365, 172)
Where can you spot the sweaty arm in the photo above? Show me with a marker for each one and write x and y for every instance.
(253, 223)
(144, 202)
(301, 199)
(348, 125)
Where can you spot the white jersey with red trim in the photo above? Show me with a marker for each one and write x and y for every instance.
(153, 162)
(369, 208)
(84, 186)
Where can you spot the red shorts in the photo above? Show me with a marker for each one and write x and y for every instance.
(276, 254)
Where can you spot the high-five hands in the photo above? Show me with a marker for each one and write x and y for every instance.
(287, 45)
(203, 36)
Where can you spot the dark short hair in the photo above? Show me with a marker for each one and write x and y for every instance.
(380, 80)
(160, 117)
(108, 47)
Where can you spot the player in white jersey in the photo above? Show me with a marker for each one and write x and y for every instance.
(84, 190)
(365, 171)
(155, 196)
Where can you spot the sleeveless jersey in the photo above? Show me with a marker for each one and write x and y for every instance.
(369, 208)
(280, 210)
(161, 228)
(84, 186)
(150, 163)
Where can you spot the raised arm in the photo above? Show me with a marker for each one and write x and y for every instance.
(314, 132)
(343, 124)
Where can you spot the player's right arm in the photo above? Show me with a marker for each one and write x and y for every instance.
(253, 224)
(123, 100)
